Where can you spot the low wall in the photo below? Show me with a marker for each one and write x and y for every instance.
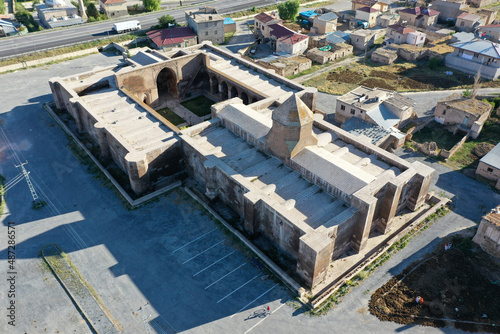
(447, 154)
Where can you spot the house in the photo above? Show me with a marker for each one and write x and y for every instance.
(462, 114)
(324, 24)
(178, 37)
(381, 6)
(329, 53)
(293, 43)
(375, 105)
(489, 166)
(7, 28)
(58, 13)
(114, 8)
(490, 31)
(462, 37)
(207, 24)
(286, 65)
(397, 34)
(262, 23)
(448, 10)
(229, 25)
(336, 38)
(386, 20)
(362, 39)
(476, 55)
(489, 15)
(368, 14)
(468, 22)
(488, 233)
(419, 17)
(277, 31)
(384, 55)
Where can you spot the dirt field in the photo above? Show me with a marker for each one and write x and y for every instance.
(460, 288)
(401, 76)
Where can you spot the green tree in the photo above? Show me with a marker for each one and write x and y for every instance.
(92, 11)
(151, 5)
(36, 2)
(166, 21)
(289, 10)
(2, 7)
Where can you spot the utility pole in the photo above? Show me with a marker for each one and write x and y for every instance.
(27, 177)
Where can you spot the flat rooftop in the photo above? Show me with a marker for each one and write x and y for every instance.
(468, 105)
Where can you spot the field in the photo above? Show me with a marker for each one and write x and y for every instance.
(199, 105)
(401, 76)
(171, 116)
(460, 288)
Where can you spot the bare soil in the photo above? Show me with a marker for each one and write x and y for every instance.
(460, 288)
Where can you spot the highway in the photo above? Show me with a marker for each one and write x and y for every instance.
(51, 38)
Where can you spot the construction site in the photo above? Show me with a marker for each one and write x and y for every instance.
(457, 286)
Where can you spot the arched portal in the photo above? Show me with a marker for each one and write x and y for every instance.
(215, 86)
(223, 90)
(234, 92)
(166, 83)
(244, 97)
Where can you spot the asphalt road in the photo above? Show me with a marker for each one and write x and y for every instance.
(33, 42)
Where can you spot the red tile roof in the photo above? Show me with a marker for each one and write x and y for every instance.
(110, 2)
(468, 16)
(400, 29)
(278, 31)
(263, 17)
(420, 11)
(170, 36)
(293, 39)
(368, 9)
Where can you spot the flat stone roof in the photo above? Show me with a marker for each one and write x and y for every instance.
(465, 104)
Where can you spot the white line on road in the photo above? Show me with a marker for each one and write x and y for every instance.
(206, 250)
(199, 272)
(229, 273)
(189, 243)
(257, 324)
(244, 307)
(229, 294)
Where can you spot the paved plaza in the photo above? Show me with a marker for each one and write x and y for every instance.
(169, 253)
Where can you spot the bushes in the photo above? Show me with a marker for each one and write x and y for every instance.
(25, 18)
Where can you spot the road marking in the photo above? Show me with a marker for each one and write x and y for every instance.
(229, 273)
(189, 243)
(229, 294)
(199, 272)
(244, 307)
(257, 324)
(206, 250)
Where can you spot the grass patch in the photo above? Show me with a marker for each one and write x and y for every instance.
(199, 105)
(314, 68)
(171, 116)
(435, 132)
(228, 36)
(319, 4)
(255, 10)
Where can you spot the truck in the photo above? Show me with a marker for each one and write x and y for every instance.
(120, 27)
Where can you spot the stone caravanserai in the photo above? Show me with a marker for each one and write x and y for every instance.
(310, 188)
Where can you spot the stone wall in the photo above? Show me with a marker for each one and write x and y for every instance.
(488, 237)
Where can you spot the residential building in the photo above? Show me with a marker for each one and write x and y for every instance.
(489, 166)
(166, 39)
(474, 56)
(277, 31)
(293, 43)
(7, 28)
(381, 6)
(386, 20)
(58, 13)
(489, 15)
(462, 114)
(397, 34)
(419, 17)
(229, 25)
(468, 22)
(207, 24)
(325, 24)
(324, 55)
(336, 38)
(262, 23)
(449, 10)
(368, 14)
(375, 105)
(286, 65)
(480, 3)
(363, 39)
(114, 8)
(384, 55)
(488, 233)
(490, 31)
